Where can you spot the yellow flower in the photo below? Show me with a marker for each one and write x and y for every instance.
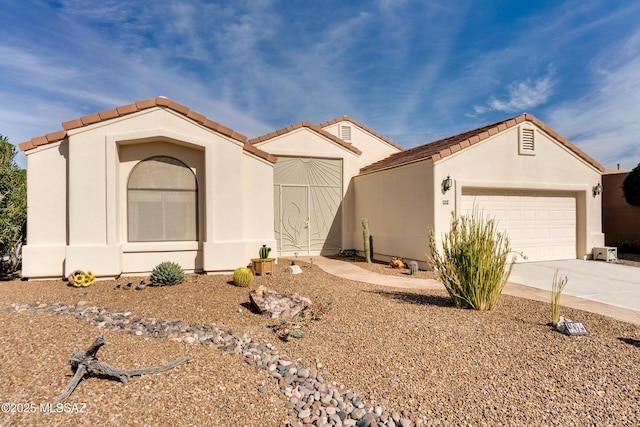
(78, 280)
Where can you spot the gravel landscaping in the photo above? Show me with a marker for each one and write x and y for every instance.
(381, 356)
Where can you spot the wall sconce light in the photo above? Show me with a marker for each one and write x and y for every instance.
(597, 190)
(447, 183)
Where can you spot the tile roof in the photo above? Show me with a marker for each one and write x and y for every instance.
(124, 110)
(308, 125)
(371, 131)
(444, 147)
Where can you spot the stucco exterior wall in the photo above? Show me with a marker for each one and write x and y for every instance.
(372, 147)
(100, 158)
(620, 220)
(46, 211)
(398, 203)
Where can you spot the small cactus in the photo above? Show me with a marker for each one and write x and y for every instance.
(167, 274)
(413, 267)
(242, 276)
(264, 252)
(367, 239)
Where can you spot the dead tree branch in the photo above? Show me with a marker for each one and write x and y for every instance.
(87, 364)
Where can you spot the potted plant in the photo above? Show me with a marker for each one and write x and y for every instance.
(264, 252)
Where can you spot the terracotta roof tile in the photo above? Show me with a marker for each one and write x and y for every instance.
(72, 124)
(90, 119)
(438, 149)
(56, 136)
(360, 125)
(27, 145)
(308, 125)
(40, 140)
(147, 103)
(124, 110)
(108, 114)
(196, 117)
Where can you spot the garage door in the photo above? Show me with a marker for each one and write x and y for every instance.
(540, 225)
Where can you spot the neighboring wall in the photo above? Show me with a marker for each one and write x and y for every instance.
(620, 220)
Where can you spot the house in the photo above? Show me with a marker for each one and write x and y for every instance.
(538, 185)
(122, 190)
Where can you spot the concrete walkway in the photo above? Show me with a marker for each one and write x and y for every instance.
(594, 286)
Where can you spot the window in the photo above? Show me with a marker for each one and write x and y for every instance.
(527, 144)
(162, 199)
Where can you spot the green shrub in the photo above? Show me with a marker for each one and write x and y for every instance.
(474, 264)
(167, 274)
(242, 276)
(631, 187)
(13, 208)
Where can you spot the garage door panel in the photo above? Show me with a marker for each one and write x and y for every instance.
(542, 226)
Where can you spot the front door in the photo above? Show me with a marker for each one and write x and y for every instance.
(307, 199)
(292, 219)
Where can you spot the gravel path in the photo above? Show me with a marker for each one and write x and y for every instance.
(406, 356)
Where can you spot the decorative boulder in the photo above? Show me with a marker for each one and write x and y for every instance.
(294, 269)
(277, 305)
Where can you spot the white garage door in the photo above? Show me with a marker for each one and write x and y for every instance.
(540, 225)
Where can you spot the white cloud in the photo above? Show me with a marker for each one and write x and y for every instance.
(521, 96)
(604, 123)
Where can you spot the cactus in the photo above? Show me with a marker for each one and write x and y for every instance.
(242, 276)
(413, 267)
(367, 241)
(167, 274)
(264, 252)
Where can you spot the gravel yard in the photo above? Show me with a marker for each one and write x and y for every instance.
(409, 352)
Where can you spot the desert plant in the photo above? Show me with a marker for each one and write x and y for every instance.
(293, 328)
(557, 286)
(242, 276)
(13, 208)
(264, 252)
(474, 264)
(413, 267)
(367, 241)
(167, 273)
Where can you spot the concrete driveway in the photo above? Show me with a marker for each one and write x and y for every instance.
(599, 281)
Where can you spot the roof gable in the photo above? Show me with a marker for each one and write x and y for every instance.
(307, 125)
(442, 148)
(124, 110)
(363, 127)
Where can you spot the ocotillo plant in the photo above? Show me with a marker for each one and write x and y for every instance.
(367, 243)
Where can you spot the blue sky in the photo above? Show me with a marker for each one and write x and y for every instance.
(414, 71)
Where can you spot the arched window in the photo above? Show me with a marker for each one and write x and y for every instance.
(162, 198)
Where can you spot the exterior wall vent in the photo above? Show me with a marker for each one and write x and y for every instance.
(345, 132)
(527, 144)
